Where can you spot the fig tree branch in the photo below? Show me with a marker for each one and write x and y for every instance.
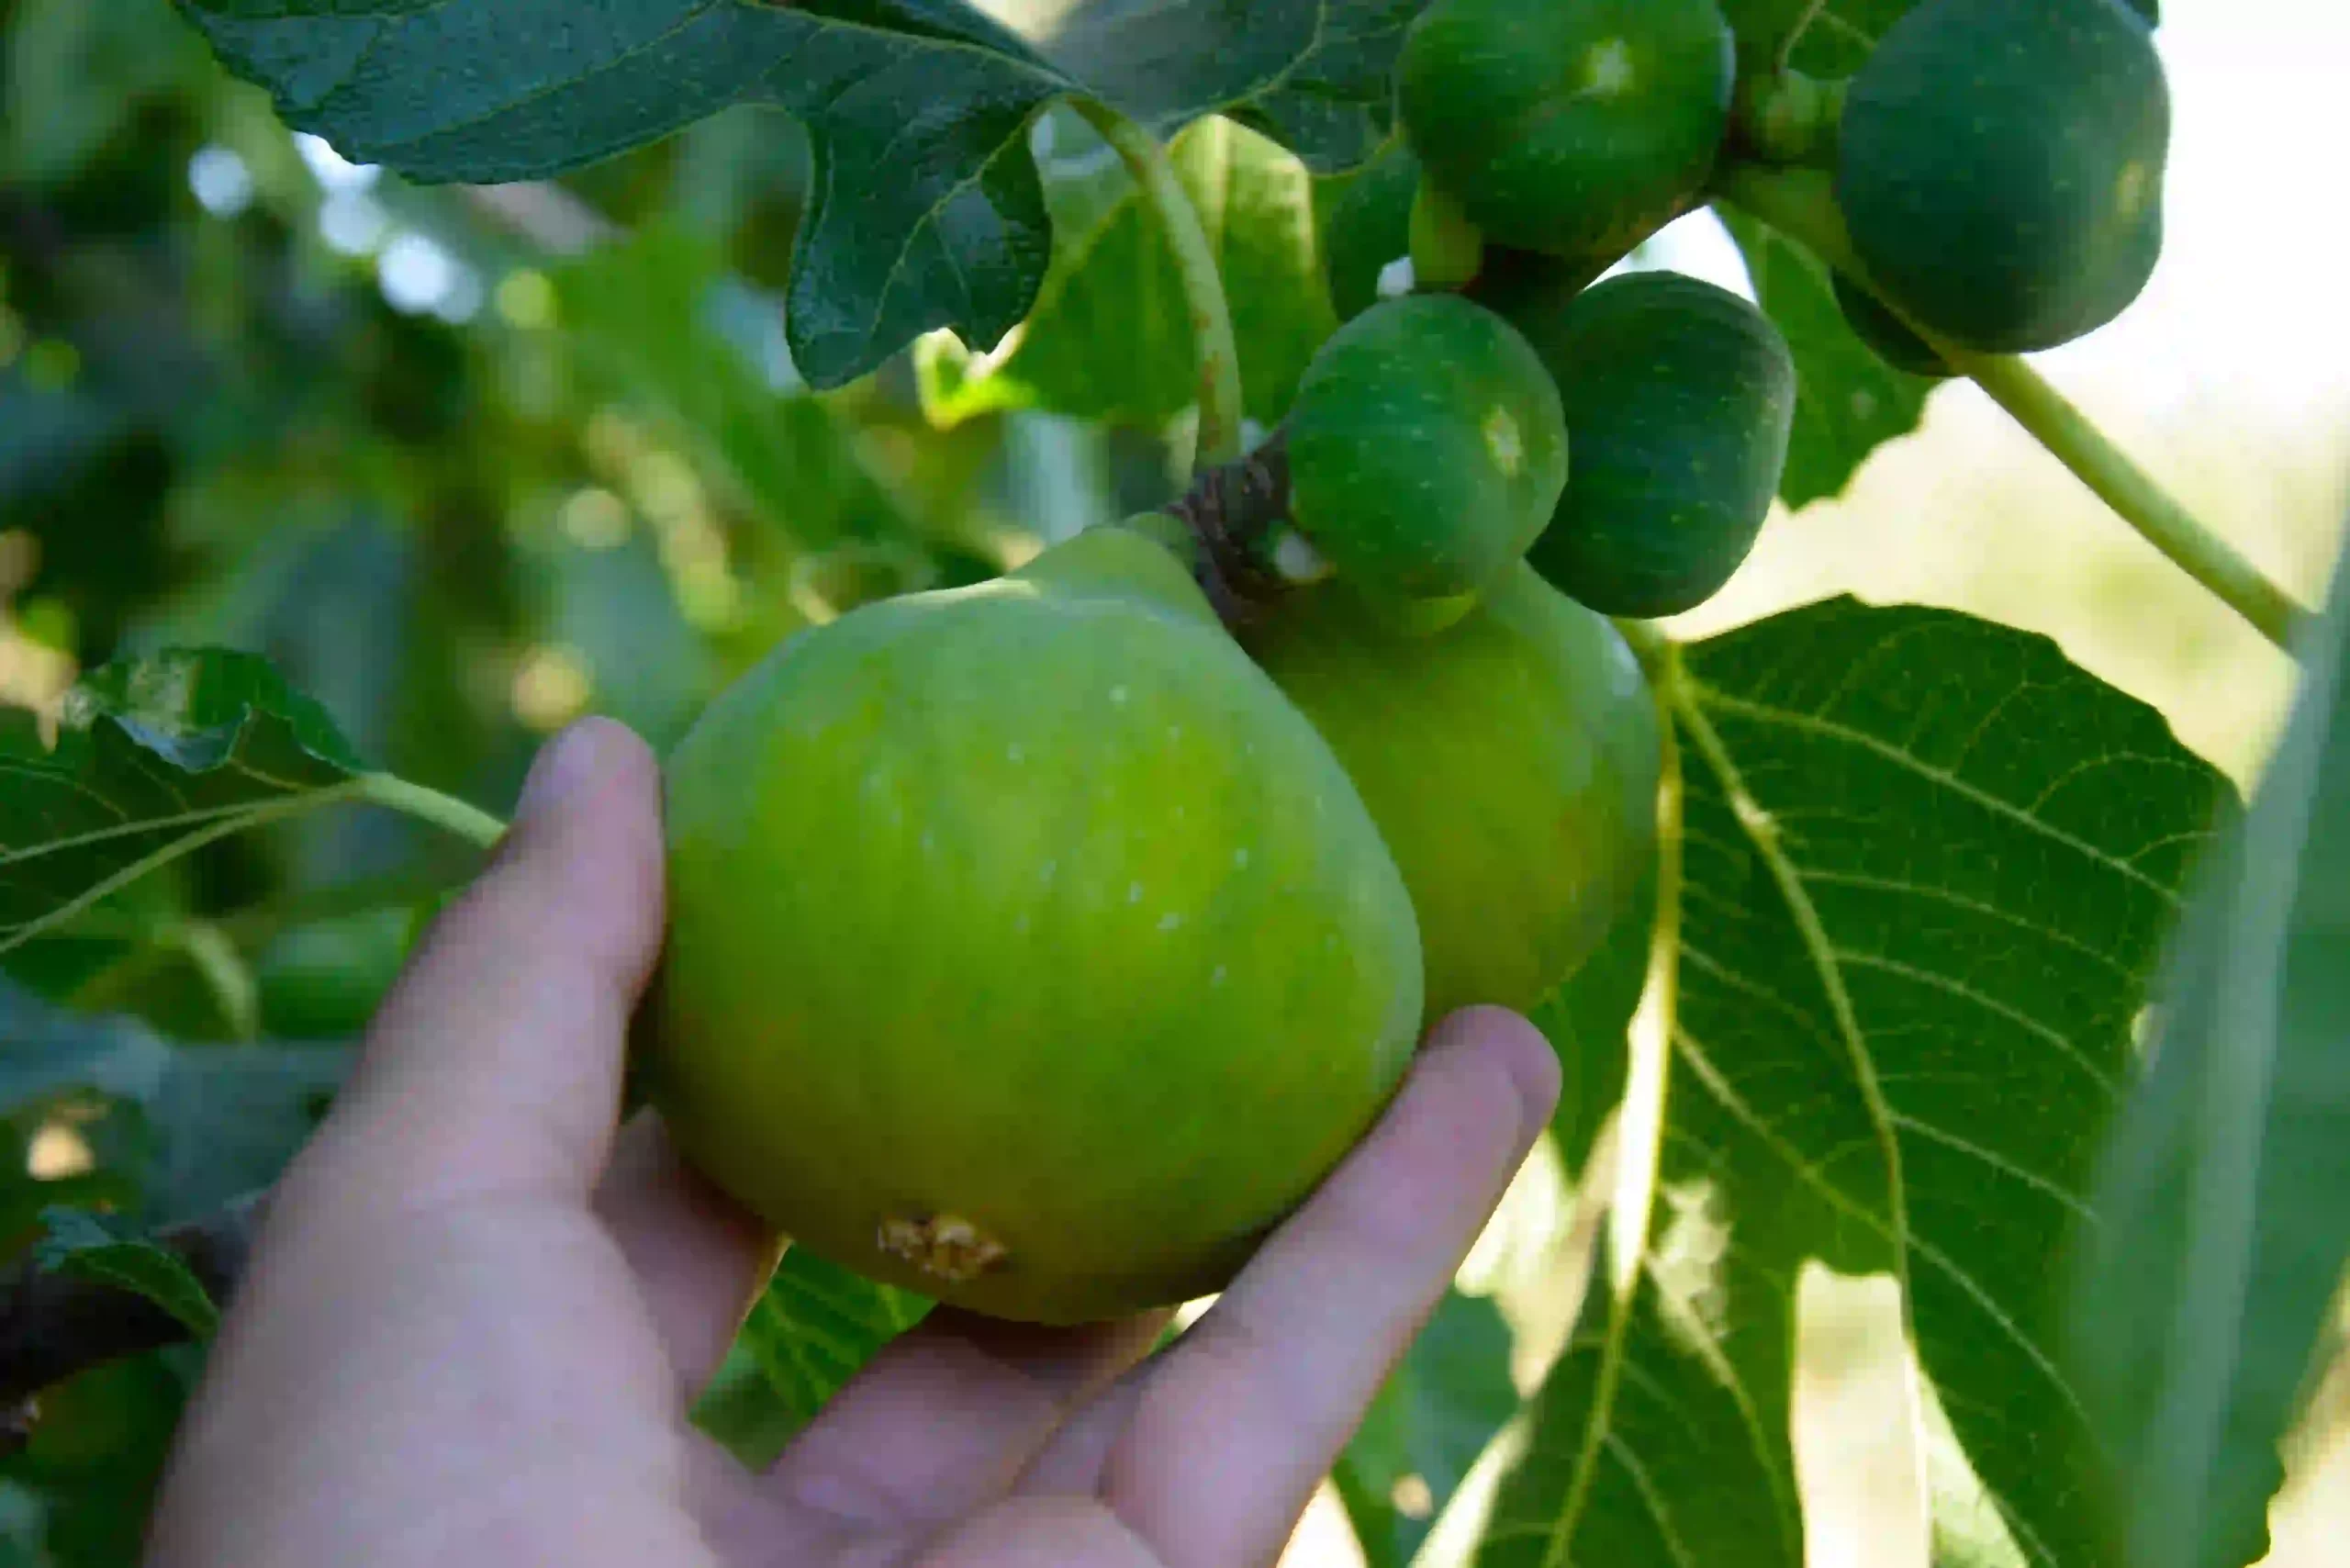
(1800, 204)
(1218, 350)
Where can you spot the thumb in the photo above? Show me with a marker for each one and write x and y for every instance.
(496, 1062)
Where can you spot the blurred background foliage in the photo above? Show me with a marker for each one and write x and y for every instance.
(469, 462)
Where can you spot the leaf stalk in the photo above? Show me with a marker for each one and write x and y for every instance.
(1221, 409)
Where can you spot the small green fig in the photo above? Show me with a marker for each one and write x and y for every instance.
(1425, 451)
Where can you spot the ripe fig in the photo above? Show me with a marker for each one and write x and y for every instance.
(1510, 761)
(1028, 949)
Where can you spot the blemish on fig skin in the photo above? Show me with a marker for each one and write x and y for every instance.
(943, 1245)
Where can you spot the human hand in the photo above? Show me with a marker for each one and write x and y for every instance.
(478, 1308)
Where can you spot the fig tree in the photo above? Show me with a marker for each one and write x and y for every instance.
(1027, 948)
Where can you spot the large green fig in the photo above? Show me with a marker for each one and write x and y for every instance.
(1681, 399)
(1510, 761)
(1425, 451)
(1027, 948)
(1573, 127)
(2000, 167)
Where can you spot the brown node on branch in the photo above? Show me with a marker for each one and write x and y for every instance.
(1237, 511)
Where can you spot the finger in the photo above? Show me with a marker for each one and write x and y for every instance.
(944, 1420)
(1252, 1406)
(495, 1064)
(700, 1258)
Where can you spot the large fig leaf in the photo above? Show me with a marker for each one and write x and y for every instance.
(2225, 1230)
(1925, 870)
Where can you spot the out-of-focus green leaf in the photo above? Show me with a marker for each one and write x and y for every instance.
(814, 1327)
(205, 1124)
(645, 317)
(152, 757)
(75, 74)
(1848, 401)
(80, 1243)
(1111, 335)
(2224, 1226)
(1436, 1412)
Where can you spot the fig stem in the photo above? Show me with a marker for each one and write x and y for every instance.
(1220, 408)
(1801, 204)
(461, 818)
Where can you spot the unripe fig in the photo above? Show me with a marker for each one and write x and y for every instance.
(1510, 761)
(1425, 451)
(2000, 167)
(1682, 398)
(1573, 127)
(1027, 948)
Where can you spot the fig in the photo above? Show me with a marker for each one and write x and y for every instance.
(1426, 452)
(1576, 128)
(1027, 948)
(1510, 761)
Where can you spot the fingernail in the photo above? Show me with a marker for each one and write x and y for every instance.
(564, 765)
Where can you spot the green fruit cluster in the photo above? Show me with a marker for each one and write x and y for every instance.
(1036, 947)
(1038, 944)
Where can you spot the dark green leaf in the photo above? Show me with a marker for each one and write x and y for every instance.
(1110, 334)
(152, 757)
(1436, 1412)
(77, 1242)
(925, 210)
(205, 1124)
(815, 1327)
(2224, 1229)
(1848, 401)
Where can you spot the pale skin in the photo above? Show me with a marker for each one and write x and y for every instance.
(480, 1306)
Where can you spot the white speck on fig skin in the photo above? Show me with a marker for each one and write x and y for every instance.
(1134, 893)
(1240, 859)
(1013, 752)
(1217, 978)
(1170, 921)
(1117, 697)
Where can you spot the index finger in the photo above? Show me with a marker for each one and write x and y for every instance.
(1242, 1418)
